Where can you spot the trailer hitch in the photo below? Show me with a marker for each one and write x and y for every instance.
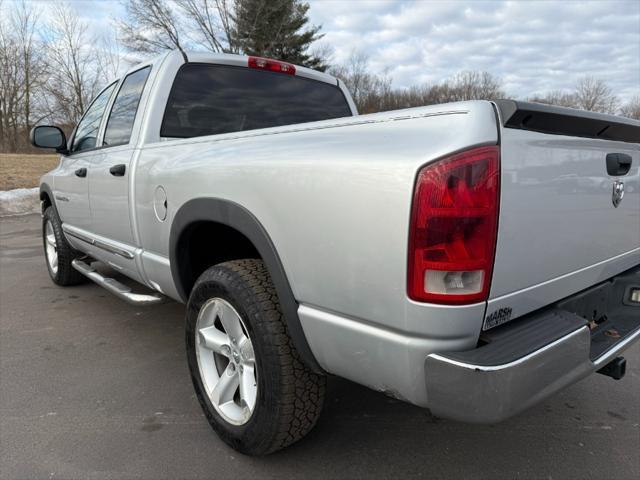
(615, 369)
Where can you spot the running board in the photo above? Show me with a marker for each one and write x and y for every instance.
(118, 289)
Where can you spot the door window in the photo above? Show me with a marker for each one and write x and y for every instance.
(123, 113)
(86, 133)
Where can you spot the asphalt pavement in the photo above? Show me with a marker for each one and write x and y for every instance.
(93, 388)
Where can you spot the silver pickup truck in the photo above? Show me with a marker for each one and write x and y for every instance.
(472, 258)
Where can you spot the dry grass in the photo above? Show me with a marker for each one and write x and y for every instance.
(24, 171)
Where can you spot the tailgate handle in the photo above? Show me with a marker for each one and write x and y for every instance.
(618, 164)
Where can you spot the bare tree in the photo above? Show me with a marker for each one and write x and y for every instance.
(631, 109)
(74, 76)
(355, 75)
(472, 85)
(9, 84)
(556, 97)
(324, 52)
(21, 71)
(589, 93)
(108, 56)
(26, 22)
(594, 94)
(367, 89)
(151, 26)
(213, 21)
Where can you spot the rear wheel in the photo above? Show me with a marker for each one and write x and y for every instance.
(254, 389)
(57, 251)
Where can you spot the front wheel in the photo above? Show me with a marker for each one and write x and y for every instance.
(254, 389)
(57, 251)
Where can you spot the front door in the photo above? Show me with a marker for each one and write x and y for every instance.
(72, 190)
(71, 180)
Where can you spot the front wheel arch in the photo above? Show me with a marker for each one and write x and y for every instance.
(47, 199)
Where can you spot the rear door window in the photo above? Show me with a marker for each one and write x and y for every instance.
(212, 99)
(123, 112)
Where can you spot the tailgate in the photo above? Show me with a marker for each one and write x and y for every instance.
(560, 230)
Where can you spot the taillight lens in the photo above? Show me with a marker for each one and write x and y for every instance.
(453, 232)
(272, 65)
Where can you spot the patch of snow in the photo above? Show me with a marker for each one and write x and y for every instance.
(19, 201)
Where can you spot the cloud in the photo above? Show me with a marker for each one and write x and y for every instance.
(534, 47)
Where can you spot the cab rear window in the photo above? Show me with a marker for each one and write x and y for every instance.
(213, 99)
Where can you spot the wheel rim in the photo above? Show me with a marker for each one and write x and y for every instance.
(51, 248)
(226, 361)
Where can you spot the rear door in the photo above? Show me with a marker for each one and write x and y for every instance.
(111, 170)
(110, 175)
(567, 219)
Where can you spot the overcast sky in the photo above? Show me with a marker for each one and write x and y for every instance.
(532, 46)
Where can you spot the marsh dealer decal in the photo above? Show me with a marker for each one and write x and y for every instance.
(497, 318)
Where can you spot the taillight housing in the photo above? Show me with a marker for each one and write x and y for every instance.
(453, 232)
(271, 65)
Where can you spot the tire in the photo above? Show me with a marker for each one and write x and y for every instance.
(55, 245)
(289, 396)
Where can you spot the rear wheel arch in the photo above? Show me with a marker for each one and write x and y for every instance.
(247, 235)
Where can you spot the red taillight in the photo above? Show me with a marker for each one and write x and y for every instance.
(453, 232)
(272, 65)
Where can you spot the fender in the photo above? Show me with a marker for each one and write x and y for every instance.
(239, 218)
(46, 189)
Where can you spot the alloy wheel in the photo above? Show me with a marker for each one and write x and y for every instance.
(226, 361)
(51, 248)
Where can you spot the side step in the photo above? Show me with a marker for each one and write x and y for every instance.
(118, 289)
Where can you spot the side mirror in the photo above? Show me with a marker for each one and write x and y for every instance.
(46, 136)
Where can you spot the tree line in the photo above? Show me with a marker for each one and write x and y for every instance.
(373, 92)
(51, 66)
(49, 71)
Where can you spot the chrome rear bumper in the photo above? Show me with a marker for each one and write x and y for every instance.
(489, 394)
(526, 363)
